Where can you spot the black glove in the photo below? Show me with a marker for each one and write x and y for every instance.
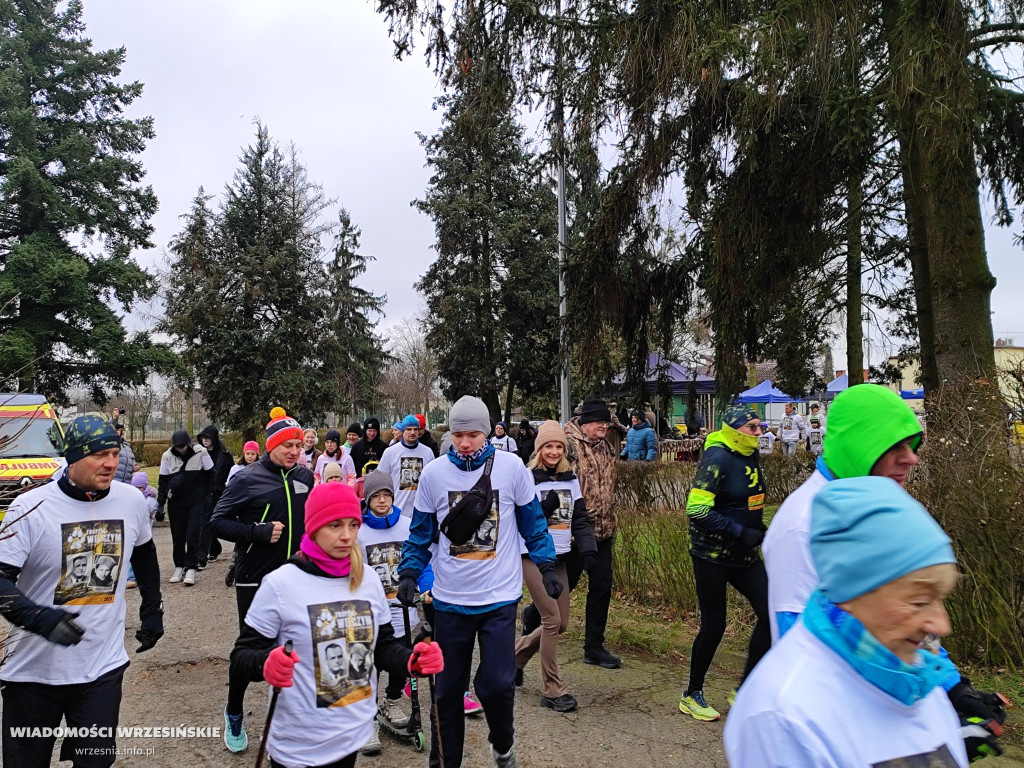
(751, 537)
(159, 514)
(968, 701)
(147, 638)
(979, 738)
(589, 562)
(66, 631)
(550, 502)
(407, 588)
(552, 584)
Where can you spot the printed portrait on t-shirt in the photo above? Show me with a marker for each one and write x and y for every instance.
(482, 545)
(561, 517)
(343, 635)
(409, 474)
(104, 571)
(940, 758)
(787, 422)
(92, 552)
(384, 559)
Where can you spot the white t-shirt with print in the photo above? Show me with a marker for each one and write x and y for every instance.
(506, 443)
(328, 711)
(816, 437)
(787, 552)
(766, 444)
(73, 555)
(559, 521)
(791, 427)
(405, 465)
(804, 706)
(382, 553)
(488, 568)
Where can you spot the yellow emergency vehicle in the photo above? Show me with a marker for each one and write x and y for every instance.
(30, 440)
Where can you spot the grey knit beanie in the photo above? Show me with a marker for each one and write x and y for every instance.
(377, 481)
(470, 414)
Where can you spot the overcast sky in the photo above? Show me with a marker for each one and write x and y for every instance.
(320, 73)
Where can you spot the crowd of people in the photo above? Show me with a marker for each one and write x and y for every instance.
(335, 548)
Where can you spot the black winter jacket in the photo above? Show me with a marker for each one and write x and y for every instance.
(185, 480)
(364, 452)
(261, 495)
(222, 462)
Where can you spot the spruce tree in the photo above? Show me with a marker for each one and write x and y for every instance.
(72, 208)
(352, 340)
(249, 301)
(491, 292)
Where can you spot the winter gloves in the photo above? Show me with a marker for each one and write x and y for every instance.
(981, 718)
(980, 738)
(426, 659)
(589, 561)
(968, 701)
(147, 638)
(549, 503)
(552, 584)
(66, 631)
(749, 537)
(407, 588)
(279, 668)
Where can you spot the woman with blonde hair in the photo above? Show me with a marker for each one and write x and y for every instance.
(558, 491)
(324, 600)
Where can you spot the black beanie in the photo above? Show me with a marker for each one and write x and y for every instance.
(356, 427)
(333, 434)
(372, 423)
(594, 409)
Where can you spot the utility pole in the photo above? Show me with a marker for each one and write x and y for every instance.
(565, 397)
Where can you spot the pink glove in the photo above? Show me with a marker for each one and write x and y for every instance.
(279, 668)
(426, 659)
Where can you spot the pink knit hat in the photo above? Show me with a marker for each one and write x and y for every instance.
(329, 502)
(251, 445)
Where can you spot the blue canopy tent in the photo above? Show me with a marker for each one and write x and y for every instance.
(837, 385)
(766, 392)
(912, 394)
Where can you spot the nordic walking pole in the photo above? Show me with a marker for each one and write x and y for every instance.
(270, 711)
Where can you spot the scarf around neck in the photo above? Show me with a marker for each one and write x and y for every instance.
(380, 523)
(468, 462)
(847, 636)
(322, 560)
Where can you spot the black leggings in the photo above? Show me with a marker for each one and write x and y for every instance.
(238, 682)
(711, 579)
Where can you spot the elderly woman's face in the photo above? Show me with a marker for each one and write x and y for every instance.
(902, 613)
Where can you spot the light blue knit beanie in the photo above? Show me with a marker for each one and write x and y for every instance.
(868, 531)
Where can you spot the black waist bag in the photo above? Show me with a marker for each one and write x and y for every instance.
(472, 509)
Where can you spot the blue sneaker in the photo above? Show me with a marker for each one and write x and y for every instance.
(234, 734)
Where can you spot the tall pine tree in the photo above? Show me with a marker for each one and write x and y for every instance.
(72, 207)
(353, 339)
(492, 291)
(249, 301)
